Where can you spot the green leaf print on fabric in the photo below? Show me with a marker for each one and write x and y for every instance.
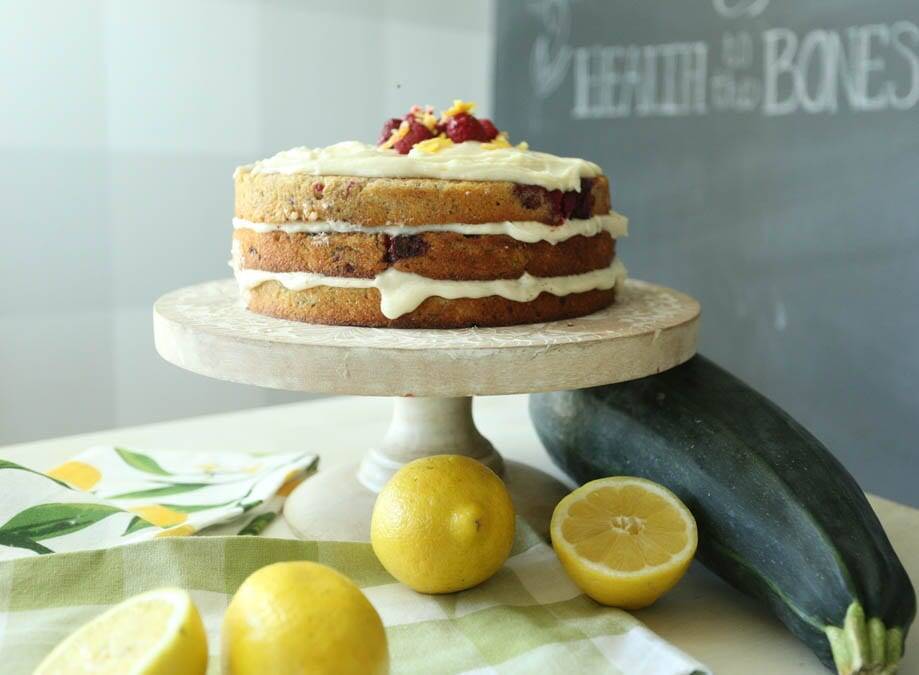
(6, 464)
(17, 541)
(141, 462)
(54, 520)
(137, 523)
(258, 524)
(174, 489)
(248, 506)
(192, 508)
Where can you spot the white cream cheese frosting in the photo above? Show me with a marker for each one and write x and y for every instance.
(403, 292)
(462, 161)
(525, 231)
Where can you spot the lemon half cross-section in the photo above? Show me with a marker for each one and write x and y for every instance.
(154, 633)
(624, 541)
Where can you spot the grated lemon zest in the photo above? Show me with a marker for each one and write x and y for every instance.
(459, 107)
(433, 145)
(396, 135)
(498, 142)
(429, 121)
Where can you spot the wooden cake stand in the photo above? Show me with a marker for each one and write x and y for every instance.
(432, 373)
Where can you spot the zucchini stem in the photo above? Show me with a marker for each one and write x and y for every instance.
(865, 647)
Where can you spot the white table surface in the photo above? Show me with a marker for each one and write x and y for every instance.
(702, 615)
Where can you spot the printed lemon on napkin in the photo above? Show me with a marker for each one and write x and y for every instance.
(108, 496)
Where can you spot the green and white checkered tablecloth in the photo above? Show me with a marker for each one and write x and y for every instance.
(528, 618)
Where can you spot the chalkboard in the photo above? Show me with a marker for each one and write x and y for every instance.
(767, 155)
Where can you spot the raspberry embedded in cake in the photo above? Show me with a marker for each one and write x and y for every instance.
(442, 224)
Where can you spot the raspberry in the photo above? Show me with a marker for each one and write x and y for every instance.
(459, 128)
(403, 246)
(465, 127)
(585, 207)
(569, 203)
(390, 126)
(530, 196)
(491, 131)
(563, 204)
(556, 197)
(417, 132)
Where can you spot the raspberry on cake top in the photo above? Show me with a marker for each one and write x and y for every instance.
(443, 223)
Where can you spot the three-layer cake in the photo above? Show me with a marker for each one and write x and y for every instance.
(443, 224)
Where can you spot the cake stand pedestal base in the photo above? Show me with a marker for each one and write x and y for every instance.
(431, 375)
(337, 504)
(421, 427)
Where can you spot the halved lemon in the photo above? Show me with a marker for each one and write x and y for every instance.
(154, 633)
(624, 541)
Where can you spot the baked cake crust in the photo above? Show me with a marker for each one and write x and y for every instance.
(361, 307)
(435, 255)
(373, 202)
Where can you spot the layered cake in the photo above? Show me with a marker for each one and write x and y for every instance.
(442, 224)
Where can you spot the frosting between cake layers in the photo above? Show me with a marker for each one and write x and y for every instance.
(525, 231)
(403, 292)
(462, 161)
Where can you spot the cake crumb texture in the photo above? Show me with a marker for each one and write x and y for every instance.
(281, 198)
(435, 255)
(361, 307)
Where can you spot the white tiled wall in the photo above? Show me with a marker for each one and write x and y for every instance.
(120, 126)
(52, 75)
(182, 78)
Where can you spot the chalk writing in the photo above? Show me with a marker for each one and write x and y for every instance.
(732, 9)
(551, 53)
(821, 69)
(665, 80)
(861, 68)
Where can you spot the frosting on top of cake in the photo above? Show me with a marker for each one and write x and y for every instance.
(462, 161)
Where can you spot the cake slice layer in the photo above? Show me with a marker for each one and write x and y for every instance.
(361, 307)
(435, 255)
(280, 198)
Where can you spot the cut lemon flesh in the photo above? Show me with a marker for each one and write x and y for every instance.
(624, 541)
(155, 633)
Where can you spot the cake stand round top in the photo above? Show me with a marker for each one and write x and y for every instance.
(205, 329)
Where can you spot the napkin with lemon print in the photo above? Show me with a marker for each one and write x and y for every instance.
(109, 496)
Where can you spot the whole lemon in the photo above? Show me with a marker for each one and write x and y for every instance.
(299, 617)
(443, 524)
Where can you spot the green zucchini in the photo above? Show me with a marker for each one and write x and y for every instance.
(779, 517)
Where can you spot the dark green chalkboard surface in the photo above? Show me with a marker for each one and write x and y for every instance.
(767, 155)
